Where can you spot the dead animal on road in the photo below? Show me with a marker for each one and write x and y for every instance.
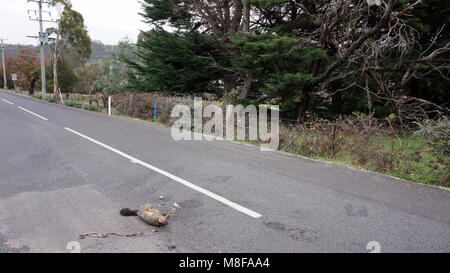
(150, 215)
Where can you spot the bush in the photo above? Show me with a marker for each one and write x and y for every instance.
(51, 99)
(72, 103)
(142, 105)
(372, 144)
(357, 136)
(437, 133)
(89, 107)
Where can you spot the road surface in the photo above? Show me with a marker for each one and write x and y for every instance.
(66, 172)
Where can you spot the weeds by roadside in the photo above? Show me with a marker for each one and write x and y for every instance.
(368, 143)
(71, 103)
(437, 135)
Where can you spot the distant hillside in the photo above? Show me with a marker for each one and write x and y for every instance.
(99, 50)
(12, 50)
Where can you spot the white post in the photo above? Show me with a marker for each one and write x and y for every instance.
(60, 95)
(109, 106)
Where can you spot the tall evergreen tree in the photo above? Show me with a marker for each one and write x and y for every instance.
(172, 63)
(279, 65)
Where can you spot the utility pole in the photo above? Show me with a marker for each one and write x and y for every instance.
(5, 84)
(42, 40)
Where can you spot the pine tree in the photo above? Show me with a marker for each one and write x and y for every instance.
(172, 63)
(280, 65)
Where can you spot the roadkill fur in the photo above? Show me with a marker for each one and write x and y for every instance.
(150, 215)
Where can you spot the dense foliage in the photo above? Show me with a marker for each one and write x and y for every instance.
(328, 57)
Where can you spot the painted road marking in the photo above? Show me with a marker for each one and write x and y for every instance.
(173, 177)
(28, 111)
(8, 102)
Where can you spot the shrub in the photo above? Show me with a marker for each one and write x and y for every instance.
(362, 140)
(72, 103)
(437, 133)
(142, 105)
(51, 99)
(374, 145)
(89, 107)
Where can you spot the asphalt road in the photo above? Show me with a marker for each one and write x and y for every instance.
(66, 172)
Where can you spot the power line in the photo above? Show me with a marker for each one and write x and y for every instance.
(43, 38)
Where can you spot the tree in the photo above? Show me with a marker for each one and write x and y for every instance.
(24, 65)
(90, 73)
(377, 44)
(209, 22)
(70, 32)
(116, 79)
(66, 75)
(171, 63)
(279, 66)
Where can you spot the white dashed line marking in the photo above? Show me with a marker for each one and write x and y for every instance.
(8, 102)
(28, 111)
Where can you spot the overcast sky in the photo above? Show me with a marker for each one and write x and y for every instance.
(107, 20)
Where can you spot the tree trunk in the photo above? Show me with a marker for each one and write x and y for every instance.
(246, 29)
(302, 107)
(32, 83)
(246, 17)
(228, 85)
(105, 99)
(91, 89)
(55, 67)
(247, 86)
(55, 76)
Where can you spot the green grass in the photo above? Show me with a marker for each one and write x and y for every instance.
(417, 163)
